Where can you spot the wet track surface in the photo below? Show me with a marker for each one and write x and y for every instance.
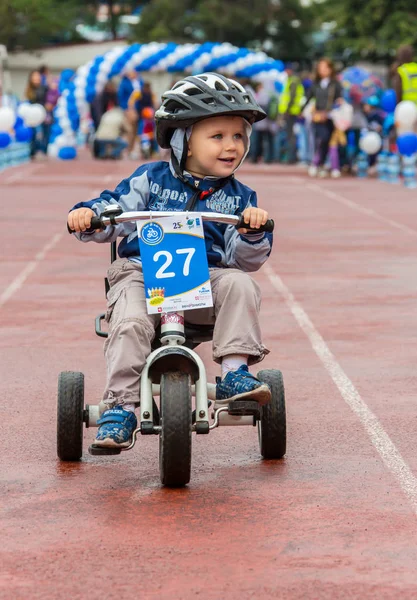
(335, 519)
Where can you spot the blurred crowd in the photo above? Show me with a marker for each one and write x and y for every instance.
(313, 122)
(316, 119)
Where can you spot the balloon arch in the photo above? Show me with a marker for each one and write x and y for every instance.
(80, 88)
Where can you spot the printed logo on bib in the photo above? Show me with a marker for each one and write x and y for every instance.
(152, 233)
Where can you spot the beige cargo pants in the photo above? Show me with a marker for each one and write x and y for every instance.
(236, 299)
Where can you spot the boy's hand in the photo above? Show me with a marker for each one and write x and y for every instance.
(80, 219)
(254, 217)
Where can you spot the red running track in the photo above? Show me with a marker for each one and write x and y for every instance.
(335, 519)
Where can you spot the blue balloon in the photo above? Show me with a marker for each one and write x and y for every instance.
(389, 101)
(23, 134)
(389, 123)
(19, 122)
(407, 144)
(5, 139)
(67, 153)
(66, 74)
(351, 140)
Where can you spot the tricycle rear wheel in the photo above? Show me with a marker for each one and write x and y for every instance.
(175, 435)
(272, 426)
(70, 415)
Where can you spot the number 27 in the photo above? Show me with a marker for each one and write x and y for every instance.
(161, 272)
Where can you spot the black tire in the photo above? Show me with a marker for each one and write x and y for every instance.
(272, 426)
(175, 436)
(70, 415)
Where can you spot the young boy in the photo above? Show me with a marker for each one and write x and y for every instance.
(206, 121)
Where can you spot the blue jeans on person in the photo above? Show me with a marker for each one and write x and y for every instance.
(280, 144)
(261, 146)
(322, 134)
(109, 148)
(305, 153)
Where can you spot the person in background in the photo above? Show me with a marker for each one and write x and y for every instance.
(35, 93)
(45, 75)
(131, 82)
(305, 133)
(103, 102)
(289, 108)
(263, 131)
(326, 91)
(148, 145)
(51, 100)
(108, 141)
(138, 101)
(349, 153)
(404, 77)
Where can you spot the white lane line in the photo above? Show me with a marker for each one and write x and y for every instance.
(21, 174)
(30, 267)
(361, 209)
(379, 438)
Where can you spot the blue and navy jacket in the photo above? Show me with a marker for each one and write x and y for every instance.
(155, 187)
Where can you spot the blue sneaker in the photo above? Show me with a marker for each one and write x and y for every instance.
(116, 428)
(241, 385)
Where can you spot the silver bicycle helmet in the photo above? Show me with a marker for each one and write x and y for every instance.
(199, 97)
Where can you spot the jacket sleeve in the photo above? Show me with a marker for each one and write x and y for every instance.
(338, 90)
(131, 194)
(310, 94)
(247, 252)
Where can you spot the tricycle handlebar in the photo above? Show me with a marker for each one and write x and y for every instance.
(110, 217)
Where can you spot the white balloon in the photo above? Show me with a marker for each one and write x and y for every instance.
(342, 116)
(34, 115)
(83, 71)
(53, 150)
(80, 93)
(60, 111)
(80, 82)
(405, 113)
(22, 109)
(7, 118)
(402, 129)
(65, 139)
(64, 123)
(101, 77)
(370, 143)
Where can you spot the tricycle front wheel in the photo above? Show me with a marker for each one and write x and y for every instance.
(175, 435)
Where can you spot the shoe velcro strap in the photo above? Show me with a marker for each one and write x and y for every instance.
(112, 417)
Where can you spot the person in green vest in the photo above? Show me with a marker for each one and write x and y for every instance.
(289, 108)
(405, 75)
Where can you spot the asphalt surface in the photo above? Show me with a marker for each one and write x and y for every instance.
(335, 519)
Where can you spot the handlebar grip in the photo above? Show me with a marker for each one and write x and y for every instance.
(95, 224)
(268, 227)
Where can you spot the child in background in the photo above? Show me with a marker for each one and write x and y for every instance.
(147, 135)
(337, 142)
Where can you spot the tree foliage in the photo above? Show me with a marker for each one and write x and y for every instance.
(27, 24)
(281, 27)
(371, 29)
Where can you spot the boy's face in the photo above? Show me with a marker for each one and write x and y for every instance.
(216, 146)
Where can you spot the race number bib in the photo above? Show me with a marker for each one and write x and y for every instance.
(174, 262)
